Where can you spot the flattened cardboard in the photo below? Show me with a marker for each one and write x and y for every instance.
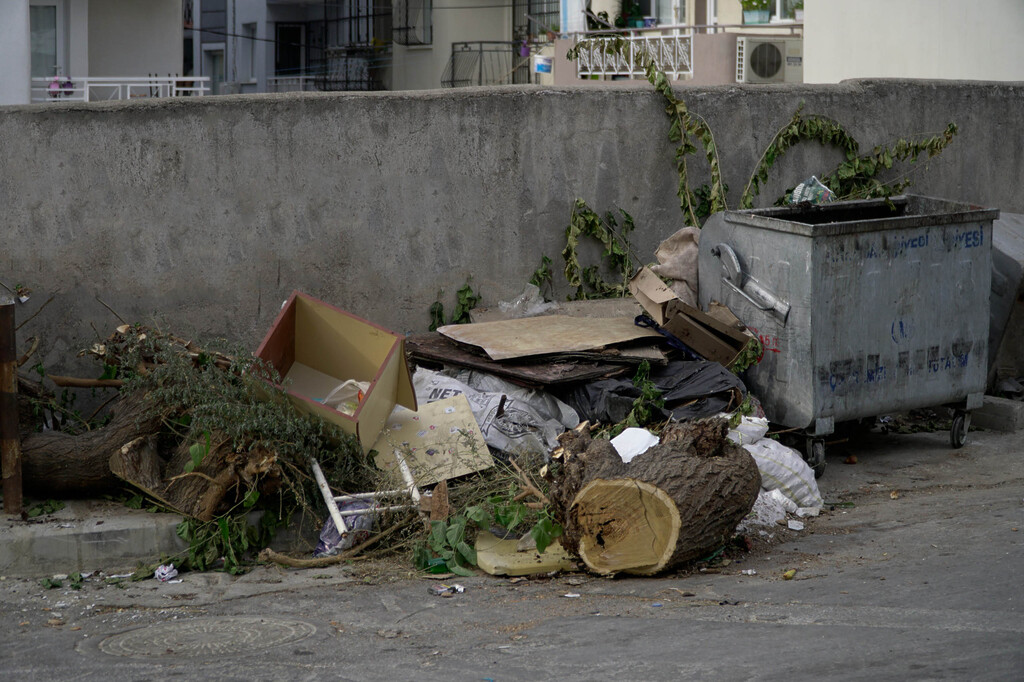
(439, 441)
(712, 338)
(507, 339)
(321, 342)
(499, 557)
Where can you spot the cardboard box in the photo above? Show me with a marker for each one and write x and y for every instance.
(711, 338)
(316, 347)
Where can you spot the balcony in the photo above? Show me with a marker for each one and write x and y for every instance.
(670, 46)
(486, 63)
(96, 89)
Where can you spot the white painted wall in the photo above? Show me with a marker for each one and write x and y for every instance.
(950, 39)
(421, 67)
(135, 37)
(78, 38)
(15, 53)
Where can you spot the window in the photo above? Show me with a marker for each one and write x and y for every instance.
(249, 51)
(46, 22)
(288, 49)
(412, 22)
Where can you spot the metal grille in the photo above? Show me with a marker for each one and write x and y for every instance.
(486, 63)
(350, 48)
(672, 54)
(545, 15)
(413, 22)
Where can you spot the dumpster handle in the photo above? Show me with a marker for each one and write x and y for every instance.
(734, 277)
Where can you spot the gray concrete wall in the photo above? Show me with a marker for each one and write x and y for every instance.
(210, 211)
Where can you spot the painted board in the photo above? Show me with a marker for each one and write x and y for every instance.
(439, 441)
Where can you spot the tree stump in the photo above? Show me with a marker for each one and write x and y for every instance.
(679, 501)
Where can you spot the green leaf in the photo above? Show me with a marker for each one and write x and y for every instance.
(466, 552)
(251, 498)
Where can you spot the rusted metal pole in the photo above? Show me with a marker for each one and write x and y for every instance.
(10, 445)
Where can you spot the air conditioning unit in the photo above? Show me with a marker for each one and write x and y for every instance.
(769, 60)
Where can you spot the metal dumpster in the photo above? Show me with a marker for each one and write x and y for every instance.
(863, 307)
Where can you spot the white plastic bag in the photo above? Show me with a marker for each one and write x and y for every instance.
(632, 442)
(347, 396)
(749, 431)
(782, 468)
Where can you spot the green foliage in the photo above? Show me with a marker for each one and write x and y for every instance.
(51, 583)
(642, 412)
(799, 129)
(229, 537)
(683, 125)
(197, 452)
(543, 275)
(855, 178)
(585, 223)
(446, 548)
(225, 399)
(755, 5)
(466, 300)
(750, 355)
(45, 507)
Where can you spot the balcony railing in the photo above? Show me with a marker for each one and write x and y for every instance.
(94, 89)
(291, 84)
(486, 63)
(671, 48)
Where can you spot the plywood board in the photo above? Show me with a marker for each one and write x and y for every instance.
(506, 339)
(439, 441)
(499, 557)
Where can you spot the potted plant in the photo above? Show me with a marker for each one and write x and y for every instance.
(798, 10)
(756, 11)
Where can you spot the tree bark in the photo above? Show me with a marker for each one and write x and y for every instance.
(56, 464)
(677, 502)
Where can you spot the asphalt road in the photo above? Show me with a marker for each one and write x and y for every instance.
(922, 578)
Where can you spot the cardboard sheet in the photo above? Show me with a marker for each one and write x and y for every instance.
(439, 441)
(506, 339)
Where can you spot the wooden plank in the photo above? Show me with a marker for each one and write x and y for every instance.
(507, 339)
(10, 442)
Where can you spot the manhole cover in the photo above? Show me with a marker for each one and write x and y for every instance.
(207, 637)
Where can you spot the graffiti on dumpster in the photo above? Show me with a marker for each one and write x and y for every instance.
(769, 342)
(897, 245)
(840, 376)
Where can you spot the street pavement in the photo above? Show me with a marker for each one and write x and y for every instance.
(916, 572)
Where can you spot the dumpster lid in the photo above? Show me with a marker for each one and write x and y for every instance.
(862, 215)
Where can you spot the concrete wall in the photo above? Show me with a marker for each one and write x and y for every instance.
(135, 38)
(210, 211)
(914, 39)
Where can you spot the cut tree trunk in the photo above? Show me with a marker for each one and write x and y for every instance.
(679, 501)
(56, 464)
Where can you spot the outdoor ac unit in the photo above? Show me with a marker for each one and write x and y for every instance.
(769, 60)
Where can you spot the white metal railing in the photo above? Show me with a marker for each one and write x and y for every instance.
(671, 49)
(94, 89)
(290, 83)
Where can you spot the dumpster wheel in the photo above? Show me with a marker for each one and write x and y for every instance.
(958, 431)
(815, 455)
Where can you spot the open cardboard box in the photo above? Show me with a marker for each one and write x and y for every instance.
(710, 337)
(316, 347)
